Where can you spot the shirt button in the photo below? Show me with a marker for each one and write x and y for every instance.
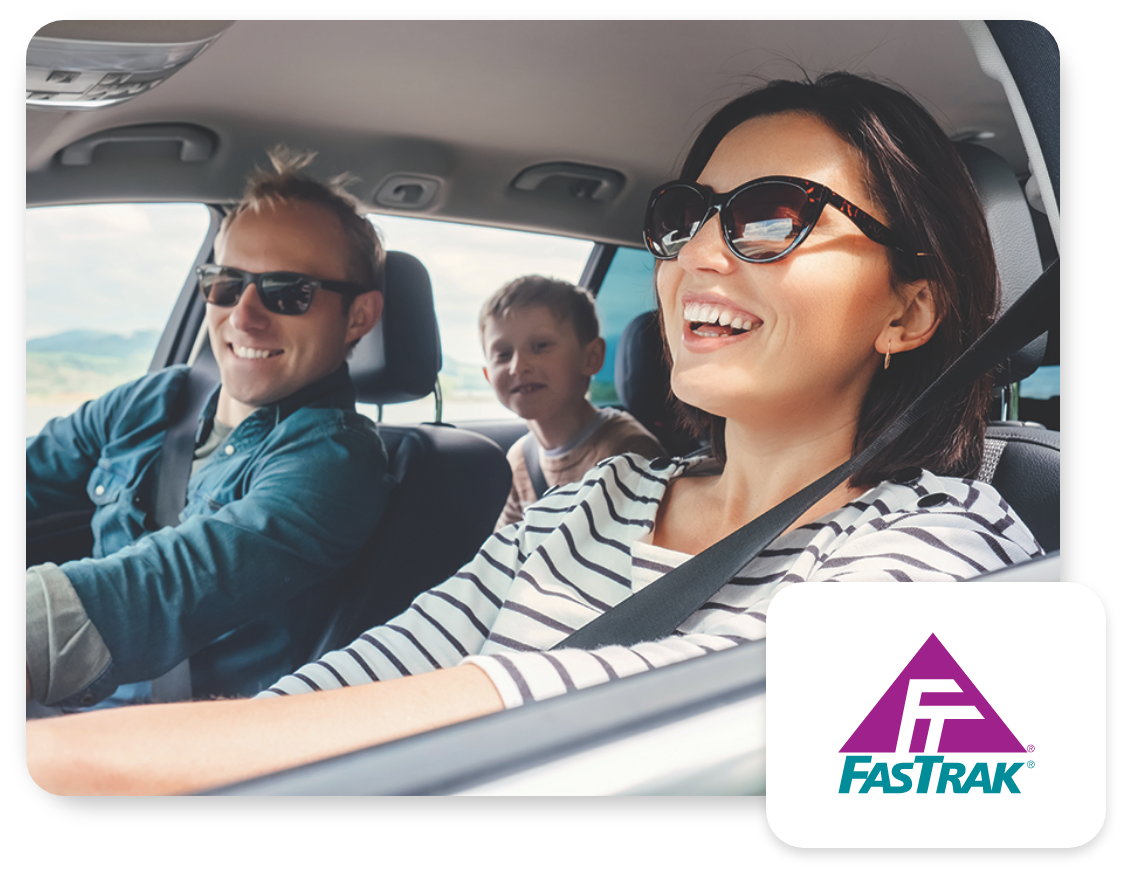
(87, 699)
(228, 450)
(661, 463)
(931, 500)
(99, 490)
(909, 475)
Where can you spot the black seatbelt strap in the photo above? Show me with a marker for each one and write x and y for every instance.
(656, 611)
(169, 496)
(173, 468)
(534, 468)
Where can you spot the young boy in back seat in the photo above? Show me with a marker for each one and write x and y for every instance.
(542, 345)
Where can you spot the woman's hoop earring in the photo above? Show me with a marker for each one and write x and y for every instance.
(886, 363)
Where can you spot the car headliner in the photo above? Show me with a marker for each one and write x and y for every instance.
(474, 103)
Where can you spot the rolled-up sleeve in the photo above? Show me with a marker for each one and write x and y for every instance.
(65, 652)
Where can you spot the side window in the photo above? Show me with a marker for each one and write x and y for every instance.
(627, 290)
(101, 282)
(467, 264)
(1040, 397)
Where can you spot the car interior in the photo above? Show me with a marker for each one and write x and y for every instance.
(547, 127)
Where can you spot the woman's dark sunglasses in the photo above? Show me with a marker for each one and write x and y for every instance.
(762, 221)
(286, 293)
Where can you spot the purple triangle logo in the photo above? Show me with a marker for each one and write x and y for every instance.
(932, 707)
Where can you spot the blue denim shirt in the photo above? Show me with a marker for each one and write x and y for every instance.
(288, 500)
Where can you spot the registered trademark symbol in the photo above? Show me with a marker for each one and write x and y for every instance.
(1029, 764)
(1030, 748)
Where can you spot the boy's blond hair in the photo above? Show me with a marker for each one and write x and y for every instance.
(566, 301)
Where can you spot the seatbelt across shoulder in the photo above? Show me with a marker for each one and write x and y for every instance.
(534, 467)
(173, 468)
(657, 610)
(169, 496)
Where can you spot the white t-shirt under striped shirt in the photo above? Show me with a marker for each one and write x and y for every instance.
(575, 555)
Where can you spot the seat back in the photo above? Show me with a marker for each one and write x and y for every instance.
(1024, 464)
(451, 487)
(450, 484)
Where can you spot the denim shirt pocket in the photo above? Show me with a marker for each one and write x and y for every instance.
(118, 517)
(106, 484)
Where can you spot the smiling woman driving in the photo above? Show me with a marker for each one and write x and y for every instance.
(822, 258)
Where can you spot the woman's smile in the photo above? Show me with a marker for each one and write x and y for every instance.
(716, 317)
(711, 324)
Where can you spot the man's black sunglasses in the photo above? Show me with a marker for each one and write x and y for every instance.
(762, 220)
(286, 293)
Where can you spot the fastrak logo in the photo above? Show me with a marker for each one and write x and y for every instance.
(931, 710)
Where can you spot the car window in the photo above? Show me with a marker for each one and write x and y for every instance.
(627, 290)
(101, 282)
(1044, 384)
(466, 265)
(1040, 397)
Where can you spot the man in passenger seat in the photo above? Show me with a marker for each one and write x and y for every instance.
(287, 483)
(542, 345)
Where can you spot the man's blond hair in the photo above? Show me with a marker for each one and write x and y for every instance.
(286, 184)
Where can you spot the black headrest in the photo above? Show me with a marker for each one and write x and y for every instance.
(1013, 239)
(399, 359)
(643, 383)
(640, 373)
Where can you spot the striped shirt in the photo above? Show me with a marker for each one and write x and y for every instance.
(575, 555)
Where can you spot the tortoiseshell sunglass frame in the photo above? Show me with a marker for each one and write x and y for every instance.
(818, 196)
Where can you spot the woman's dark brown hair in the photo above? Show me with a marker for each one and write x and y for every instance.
(915, 175)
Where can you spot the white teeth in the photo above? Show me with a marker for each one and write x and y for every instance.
(694, 312)
(251, 353)
(705, 313)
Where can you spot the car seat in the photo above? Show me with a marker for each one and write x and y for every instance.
(451, 484)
